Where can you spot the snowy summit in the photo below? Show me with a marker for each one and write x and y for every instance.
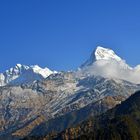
(106, 54)
(101, 53)
(104, 62)
(24, 74)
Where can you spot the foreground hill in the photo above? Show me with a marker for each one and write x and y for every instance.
(120, 123)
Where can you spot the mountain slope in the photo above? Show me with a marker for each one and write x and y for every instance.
(120, 123)
(59, 97)
(68, 108)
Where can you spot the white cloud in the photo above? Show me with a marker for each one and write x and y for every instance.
(113, 69)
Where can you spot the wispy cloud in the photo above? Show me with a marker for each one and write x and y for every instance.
(113, 69)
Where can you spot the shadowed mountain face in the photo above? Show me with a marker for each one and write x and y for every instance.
(119, 123)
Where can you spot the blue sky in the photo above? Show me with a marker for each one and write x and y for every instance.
(61, 34)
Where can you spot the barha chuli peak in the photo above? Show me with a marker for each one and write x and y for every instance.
(105, 62)
(101, 53)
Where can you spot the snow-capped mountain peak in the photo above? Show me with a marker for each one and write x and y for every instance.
(101, 53)
(104, 62)
(18, 65)
(105, 54)
(14, 72)
(23, 73)
(44, 72)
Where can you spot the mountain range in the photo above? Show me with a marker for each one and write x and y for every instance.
(102, 62)
(24, 74)
(36, 101)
